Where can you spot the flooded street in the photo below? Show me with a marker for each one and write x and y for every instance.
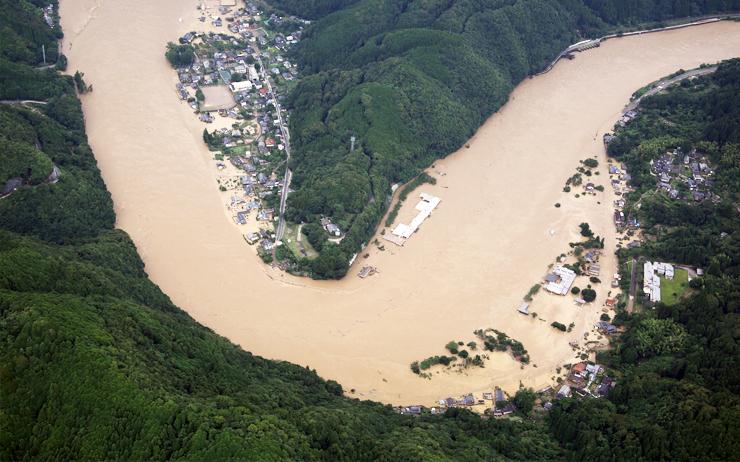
(491, 238)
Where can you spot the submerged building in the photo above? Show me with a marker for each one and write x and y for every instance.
(560, 280)
(402, 232)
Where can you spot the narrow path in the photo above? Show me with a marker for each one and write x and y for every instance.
(633, 287)
(22, 101)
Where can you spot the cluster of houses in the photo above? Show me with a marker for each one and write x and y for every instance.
(586, 380)
(627, 117)
(263, 237)
(683, 176)
(235, 82)
(495, 402)
(240, 63)
(619, 179)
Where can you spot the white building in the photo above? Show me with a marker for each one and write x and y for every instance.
(651, 282)
(664, 269)
(425, 207)
(244, 85)
(402, 232)
(253, 75)
(560, 280)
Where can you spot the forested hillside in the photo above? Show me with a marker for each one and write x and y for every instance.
(97, 364)
(412, 80)
(678, 397)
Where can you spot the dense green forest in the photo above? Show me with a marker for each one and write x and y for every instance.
(677, 397)
(412, 80)
(96, 363)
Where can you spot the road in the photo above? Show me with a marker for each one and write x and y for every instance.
(21, 101)
(633, 286)
(280, 230)
(665, 83)
(591, 43)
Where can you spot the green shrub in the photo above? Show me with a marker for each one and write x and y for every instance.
(589, 295)
(559, 326)
(591, 163)
(180, 55)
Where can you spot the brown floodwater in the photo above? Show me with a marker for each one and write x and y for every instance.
(491, 238)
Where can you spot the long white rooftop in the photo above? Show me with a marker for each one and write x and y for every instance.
(425, 207)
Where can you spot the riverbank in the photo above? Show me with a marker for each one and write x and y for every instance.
(588, 44)
(467, 268)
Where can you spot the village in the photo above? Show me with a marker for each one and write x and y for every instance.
(574, 273)
(684, 176)
(236, 85)
(680, 176)
(584, 380)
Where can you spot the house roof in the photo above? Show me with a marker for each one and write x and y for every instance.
(580, 367)
(551, 277)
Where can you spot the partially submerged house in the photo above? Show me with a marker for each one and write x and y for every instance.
(560, 280)
(402, 231)
(606, 328)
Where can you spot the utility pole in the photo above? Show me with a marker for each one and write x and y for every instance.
(43, 52)
(352, 144)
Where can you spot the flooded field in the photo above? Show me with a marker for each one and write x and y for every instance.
(491, 238)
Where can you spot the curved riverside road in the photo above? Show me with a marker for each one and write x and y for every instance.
(492, 237)
(588, 44)
(22, 101)
(665, 83)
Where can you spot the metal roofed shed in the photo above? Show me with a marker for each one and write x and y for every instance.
(561, 285)
(402, 232)
(425, 207)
